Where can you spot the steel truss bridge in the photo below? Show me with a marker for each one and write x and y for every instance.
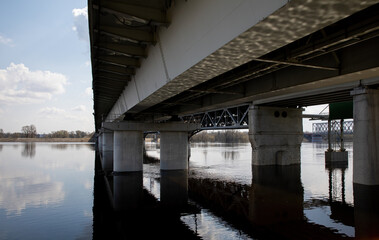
(235, 117)
(322, 128)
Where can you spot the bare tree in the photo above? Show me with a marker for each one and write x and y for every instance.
(29, 131)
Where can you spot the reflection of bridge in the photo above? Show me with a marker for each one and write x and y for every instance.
(273, 203)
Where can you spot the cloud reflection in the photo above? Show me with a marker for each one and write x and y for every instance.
(19, 193)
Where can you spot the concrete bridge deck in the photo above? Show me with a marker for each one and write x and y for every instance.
(156, 59)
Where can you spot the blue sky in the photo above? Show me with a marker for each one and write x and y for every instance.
(45, 72)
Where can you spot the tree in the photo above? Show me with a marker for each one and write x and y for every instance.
(1, 133)
(29, 131)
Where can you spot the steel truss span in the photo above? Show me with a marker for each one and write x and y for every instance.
(322, 128)
(225, 118)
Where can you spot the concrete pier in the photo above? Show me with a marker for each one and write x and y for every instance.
(275, 135)
(128, 144)
(106, 143)
(128, 151)
(107, 140)
(100, 142)
(107, 161)
(366, 136)
(174, 150)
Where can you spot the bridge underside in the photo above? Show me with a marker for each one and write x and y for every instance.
(321, 68)
(295, 68)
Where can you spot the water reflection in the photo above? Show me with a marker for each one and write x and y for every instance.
(174, 189)
(59, 146)
(366, 211)
(127, 191)
(29, 150)
(276, 195)
(45, 191)
(133, 212)
(230, 155)
(21, 192)
(223, 199)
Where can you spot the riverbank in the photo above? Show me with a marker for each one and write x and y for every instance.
(45, 139)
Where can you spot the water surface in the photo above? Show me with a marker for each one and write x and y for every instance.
(59, 191)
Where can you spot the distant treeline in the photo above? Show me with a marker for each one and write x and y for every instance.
(31, 132)
(227, 136)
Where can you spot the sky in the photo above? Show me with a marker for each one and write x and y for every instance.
(45, 69)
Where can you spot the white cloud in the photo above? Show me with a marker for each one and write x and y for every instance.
(75, 113)
(81, 23)
(88, 91)
(19, 85)
(6, 41)
(80, 108)
(52, 111)
(80, 12)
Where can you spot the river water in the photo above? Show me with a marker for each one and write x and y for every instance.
(58, 191)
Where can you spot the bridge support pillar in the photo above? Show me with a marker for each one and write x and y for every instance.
(128, 151)
(107, 150)
(174, 150)
(100, 142)
(107, 140)
(275, 135)
(366, 136)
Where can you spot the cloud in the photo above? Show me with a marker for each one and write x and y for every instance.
(80, 108)
(20, 85)
(75, 113)
(6, 41)
(81, 23)
(88, 91)
(52, 111)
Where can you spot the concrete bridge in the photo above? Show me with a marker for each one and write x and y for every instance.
(155, 62)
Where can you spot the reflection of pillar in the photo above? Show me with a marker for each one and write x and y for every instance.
(366, 136)
(174, 188)
(275, 135)
(174, 150)
(276, 195)
(128, 151)
(333, 182)
(366, 211)
(128, 191)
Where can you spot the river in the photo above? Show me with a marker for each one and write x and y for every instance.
(58, 191)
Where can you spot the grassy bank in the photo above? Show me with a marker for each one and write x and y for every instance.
(44, 139)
